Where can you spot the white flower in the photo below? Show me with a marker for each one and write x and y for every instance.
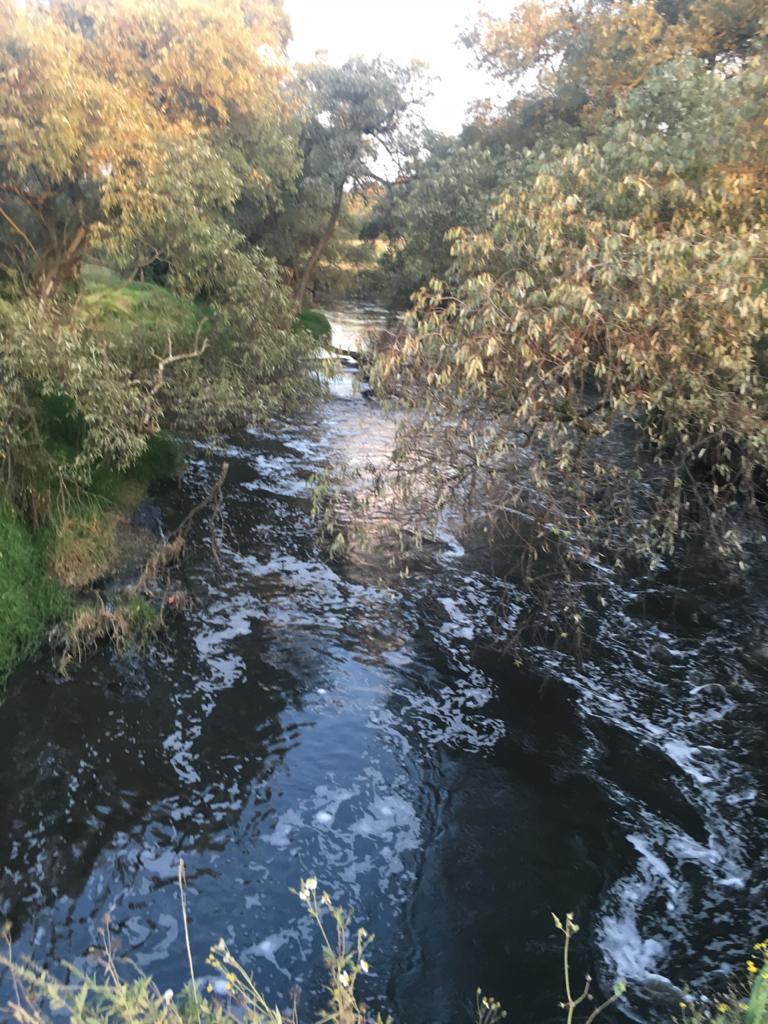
(344, 979)
(168, 996)
(304, 894)
(221, 945)
(364, 966)
(311, 884)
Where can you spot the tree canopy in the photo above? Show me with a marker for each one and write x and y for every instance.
(170, 147)
(358, 132)
(596, 339)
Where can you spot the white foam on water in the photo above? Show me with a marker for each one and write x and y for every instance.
(633, 956)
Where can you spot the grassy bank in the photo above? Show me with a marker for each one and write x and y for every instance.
(65, 516)
(30, 599)
(315, 322)
(75, 468)
(47, 575)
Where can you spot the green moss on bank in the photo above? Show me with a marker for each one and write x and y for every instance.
(41, 572)
(145, 308)
(30, 599)
(111, 304)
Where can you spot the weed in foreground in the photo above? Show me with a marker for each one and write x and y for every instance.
(573, 998)
(116, 990)
(741, 1004)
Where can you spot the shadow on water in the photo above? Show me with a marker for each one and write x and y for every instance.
(305, 719)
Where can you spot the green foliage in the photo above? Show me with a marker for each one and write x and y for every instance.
(161, 460)
(128, 132)
(60, 423)
(359, 116)
(452, 184)
(316, 322)
(29, 599)
(616, 291)
(118, 119)
(757, 1008)
(87, 384)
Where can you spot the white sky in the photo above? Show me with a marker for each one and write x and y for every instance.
(400, 30)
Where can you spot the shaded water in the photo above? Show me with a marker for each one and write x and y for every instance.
(305, 717)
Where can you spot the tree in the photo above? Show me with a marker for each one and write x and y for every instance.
(99, 99)
(564, 59)
(128, 131)
(450, 184)
(356, 131)
(597, 348)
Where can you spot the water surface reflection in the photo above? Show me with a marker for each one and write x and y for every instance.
(303, 718)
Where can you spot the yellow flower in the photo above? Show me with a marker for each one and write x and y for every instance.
(230, 977)
(723, 1007)
(752, 967)
(209, 987)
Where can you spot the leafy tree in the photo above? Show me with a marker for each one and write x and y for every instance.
(565, 61)
(100, 100)
(451, 184)
(357, 130)
(598, 346)
(128, 131)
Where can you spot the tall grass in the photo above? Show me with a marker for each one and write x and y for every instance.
(115, 990)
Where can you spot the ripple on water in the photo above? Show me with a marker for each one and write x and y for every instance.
(300, 720)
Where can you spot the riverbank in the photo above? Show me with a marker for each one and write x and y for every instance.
(50, 575)
(84, 437)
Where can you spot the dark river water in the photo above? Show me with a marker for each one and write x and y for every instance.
(308, 717)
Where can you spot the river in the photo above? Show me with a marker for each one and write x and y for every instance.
(314, 717)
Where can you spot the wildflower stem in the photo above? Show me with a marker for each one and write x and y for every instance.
(599, 1009)
(183, 895)
(567, 974)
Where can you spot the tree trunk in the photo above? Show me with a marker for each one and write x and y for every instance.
(320, 247)
(61, 266)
